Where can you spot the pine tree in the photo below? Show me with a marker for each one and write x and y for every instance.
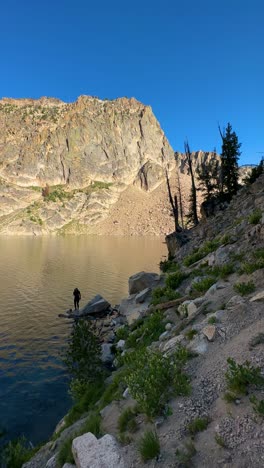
(229, 161)
(208, 177)
(255, 173)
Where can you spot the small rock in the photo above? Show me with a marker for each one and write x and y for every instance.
(121, 345)
(159, 421)
(170, 345)
(163, 336)
(168, 326)
(126, 393)
(52, 462)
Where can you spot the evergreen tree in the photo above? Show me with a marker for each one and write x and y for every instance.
(229, 161)
(208, 177)
(255, 173)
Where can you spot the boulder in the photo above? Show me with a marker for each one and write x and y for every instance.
(187, 308)
(68, 465)
(121, 345)
(106, 354)
(258, 297)
(90, 452)
(141, 296)
(141, 281)
(172, 344)
(198, 345)
(209, 332)
(52, 462)
(96, 305)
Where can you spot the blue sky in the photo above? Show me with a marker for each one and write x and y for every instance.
(195, 62)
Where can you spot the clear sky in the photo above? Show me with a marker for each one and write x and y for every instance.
(195, 62)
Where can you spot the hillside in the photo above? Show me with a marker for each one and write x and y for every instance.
(103, 161)
(190, 365)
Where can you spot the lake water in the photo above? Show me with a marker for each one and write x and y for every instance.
(37, 277)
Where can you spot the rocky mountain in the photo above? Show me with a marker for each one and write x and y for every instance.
(102, 163)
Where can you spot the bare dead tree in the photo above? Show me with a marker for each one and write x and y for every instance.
(174, 204)
(193, 217)
(180, 198)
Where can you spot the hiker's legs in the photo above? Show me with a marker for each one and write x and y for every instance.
(75, 304)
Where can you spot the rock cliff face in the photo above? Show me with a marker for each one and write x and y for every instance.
(95, 149)
(103, 161)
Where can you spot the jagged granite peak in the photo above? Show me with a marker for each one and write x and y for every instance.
(48, 141)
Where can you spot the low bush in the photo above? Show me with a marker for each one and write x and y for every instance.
(220, 440)
(258, 405)
(198, 254)
(212, 320)
(126, 421)
(174, 280)
(168, 266)
(222, 271)
(85, 396)
(16, 452)
(165, 294)
(244, 288)
(154, 377)
(250, 267)
(185, 455)
(230, 397)
(190, 334)
(203, 285)
(149, 446)
(122, 333)
(240, 376)
(198, 425)
(255, 217)
(149, 331)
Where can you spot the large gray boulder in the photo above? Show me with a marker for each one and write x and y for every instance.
(142, 280)
(96, 305)
(90, 452)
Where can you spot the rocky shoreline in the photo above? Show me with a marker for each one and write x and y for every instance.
(206, 311)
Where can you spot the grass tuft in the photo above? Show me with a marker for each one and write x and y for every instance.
(198, 425)
(244, 288)
(149, 446)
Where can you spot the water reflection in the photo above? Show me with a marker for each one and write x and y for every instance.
(37, 277)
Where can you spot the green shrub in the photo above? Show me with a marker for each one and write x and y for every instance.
(174, 280)
(220, 440)
(198, 425)
(230, 397)
(149, 331)
(212, 320)
(258, 405)
(259, 253)
(93, 425)
(255, 217)
(17, 452)
(122, 333)
(169, 266)
(186, 454)
(126, 420)
(203, 285)
(198, 254)
(250, 267)
(244, 288)
(153, 377)
(97, 184)
(190, 334)
(85, 396)
(65, 453)
(83, 354)
(222, 271)
(240, 376)
(149, 446)
(165, 294)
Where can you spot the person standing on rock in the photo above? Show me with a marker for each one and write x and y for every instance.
(77, 298)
